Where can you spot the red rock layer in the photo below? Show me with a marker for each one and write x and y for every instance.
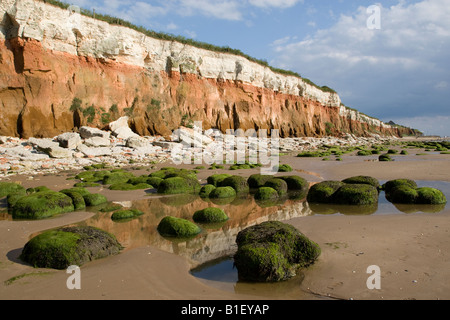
(38, 88)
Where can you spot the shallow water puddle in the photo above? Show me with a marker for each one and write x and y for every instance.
(221, 274)
(384, 206)
(210, 253)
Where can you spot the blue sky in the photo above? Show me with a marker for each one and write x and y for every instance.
(400, 72)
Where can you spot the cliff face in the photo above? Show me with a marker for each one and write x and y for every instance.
(60, 70)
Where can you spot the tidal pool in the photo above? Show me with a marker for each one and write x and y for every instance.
(210, 253)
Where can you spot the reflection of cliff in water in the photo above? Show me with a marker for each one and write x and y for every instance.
(215, 240)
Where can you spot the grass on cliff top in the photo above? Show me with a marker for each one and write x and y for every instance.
(178, 38)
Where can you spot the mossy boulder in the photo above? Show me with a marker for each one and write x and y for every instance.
(406, 191)
(86, 185)
(356, 194)
(170, 172)
(278, 184)
(216, 179)
(92, 176)
(222, 192)
(403, 194)
(384, 158)
(81, 191)
(12, 198)
(94, 199)
(129, 186)
(323, 192)
(42, 205)
(256, 181)
(117, 177)
(295, 183)
(179, 185)
(266, 193)
(77, 199)
(177, 227)
(206, 190)
(238, 183)
(362, 180)
(210, 215)
(154, 181)
(126, 214)
(430, 196)
(364, 153)
(38, 189)
(391, 184)
(61, 248)
(273, 251)
(283, 168)
(9, 187)
(138, 180)
(241, 166)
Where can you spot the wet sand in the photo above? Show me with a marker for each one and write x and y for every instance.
(412, 250)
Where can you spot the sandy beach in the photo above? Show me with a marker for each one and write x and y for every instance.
(411, 250)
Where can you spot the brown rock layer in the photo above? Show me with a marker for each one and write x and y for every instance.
(44, 93)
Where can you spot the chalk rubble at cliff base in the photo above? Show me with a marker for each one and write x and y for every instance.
(119, 146)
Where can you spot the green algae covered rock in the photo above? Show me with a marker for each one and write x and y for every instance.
(42, 205)
(256, 181)
(266, 193)
(402, 194)
(126, 214)
(432, 196)
(216, 179)
(222, 193)
(323, 192)
(273, 251)
(154, 181)
(283, 168)
(385, 157)
(391, 184)
(61, 248)
(77, 198)
(278, 184)
(9, 187)
(295, 183)
(210, 215)
(129, 186)
(338, 192)
(170, 172)
(179, 185)
(117, 177)
(238, 183)
(94, 199)
(80, 190)
(206, 190)
(362, 180)
(406, 191)
(12, 198)
(356, 194)
(177, 227)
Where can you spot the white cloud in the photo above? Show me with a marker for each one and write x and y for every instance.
(274, 3)
(228, 9)
(383, 71)
(172, 26)
(191, 34)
